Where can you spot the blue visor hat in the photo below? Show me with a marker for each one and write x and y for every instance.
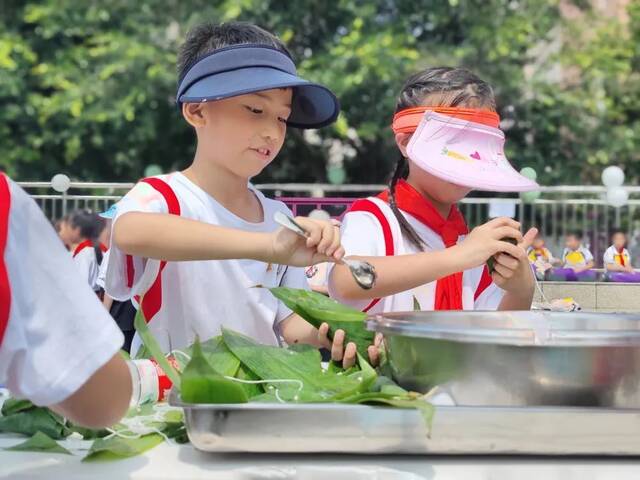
(241, 69)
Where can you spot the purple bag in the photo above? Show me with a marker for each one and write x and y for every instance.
(624, 277)
(569, 275)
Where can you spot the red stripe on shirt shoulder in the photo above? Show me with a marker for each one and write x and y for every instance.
(82, 246)
(5, 287)
(366, 205)
(152, 299)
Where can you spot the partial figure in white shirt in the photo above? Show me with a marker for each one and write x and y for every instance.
(86, 249)
(617, 258)
(58, 346)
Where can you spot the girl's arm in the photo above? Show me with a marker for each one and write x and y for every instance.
(403, 272)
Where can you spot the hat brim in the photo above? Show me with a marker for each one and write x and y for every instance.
(313, 105)
(491, 179)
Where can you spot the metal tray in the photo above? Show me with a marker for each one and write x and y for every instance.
(335, 428)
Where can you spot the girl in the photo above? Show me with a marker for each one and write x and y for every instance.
(414, 234)
(87, 250)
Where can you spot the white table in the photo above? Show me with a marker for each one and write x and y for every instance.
(168, 462)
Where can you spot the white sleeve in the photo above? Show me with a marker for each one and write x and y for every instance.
(102, 271)
(85, 264)
(127, 277)
(608, 256)
(361, 234)
(294, 277)
(588, 257)
(58, 334)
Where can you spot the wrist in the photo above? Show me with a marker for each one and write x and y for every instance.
(260, 247)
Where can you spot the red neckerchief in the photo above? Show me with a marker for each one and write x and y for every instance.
(408, 199)
(621, 255)
(5, 287)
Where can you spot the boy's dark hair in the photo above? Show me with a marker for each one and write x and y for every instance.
(440, 86)
(91, 226)
(206, 37)
(617, 231)
(575, 233)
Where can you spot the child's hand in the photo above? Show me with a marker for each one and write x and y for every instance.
(321, 245)
(485, 241)
(512, 273)
(346, 354)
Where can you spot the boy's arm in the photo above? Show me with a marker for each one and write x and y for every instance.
(173, 238)
(103, 399)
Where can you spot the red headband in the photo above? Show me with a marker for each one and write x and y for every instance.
(406, 121)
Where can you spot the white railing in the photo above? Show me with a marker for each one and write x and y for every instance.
(559, 210)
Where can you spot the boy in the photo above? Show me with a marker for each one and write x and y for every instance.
(58, 346)
(238, 89)
(576, 256)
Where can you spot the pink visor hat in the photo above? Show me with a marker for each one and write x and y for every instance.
(465, 149)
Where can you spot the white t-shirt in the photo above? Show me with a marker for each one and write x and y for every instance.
(576, 258)
(611, 255)
(58, 334)
(362, 235)
(88, 266)
(199, 297)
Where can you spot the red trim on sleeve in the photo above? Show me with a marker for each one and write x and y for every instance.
(366, 205)
(152, 299)
(485, 282)
(5, 287)
(82, 246)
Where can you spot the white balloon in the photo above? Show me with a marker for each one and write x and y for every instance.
(617, 197)
(318, 214)
(60, 183)
(612, 177)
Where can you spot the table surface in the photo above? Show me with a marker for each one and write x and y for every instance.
(170, 461)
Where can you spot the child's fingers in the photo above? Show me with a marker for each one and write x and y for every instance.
(528, 238)
(335, 244)
(314, 230)
(349, 359)
(516, 252)
(508, 232)
(504, 222)
(328, 232)
(338, 254)
(377, 341)
(504, 272)
(374, 355)
(323, 335)
(337, 348)
(507, 261)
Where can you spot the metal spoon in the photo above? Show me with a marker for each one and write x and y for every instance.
(363, 272)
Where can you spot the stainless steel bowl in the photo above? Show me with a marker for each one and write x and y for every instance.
(516, 358)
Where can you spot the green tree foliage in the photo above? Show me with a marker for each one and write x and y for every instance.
(87, 88)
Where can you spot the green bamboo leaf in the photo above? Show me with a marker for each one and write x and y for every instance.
(201, 383)
(29, 422)
(317, 309)
(152, 345)
(39, 442)
(116, 448)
